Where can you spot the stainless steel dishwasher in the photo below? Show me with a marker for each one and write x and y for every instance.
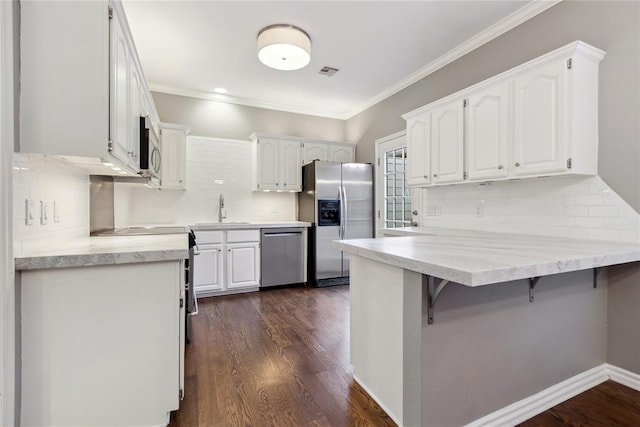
(282, 251)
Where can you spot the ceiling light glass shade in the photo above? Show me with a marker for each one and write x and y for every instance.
(284, 47)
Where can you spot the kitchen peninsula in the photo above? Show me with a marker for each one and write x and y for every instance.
(444, 330)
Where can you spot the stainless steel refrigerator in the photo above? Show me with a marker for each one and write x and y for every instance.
(337, 198)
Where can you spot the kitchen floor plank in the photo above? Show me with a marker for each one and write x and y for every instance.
(274, 358)
(607, 404)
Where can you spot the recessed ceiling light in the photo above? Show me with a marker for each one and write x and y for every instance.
(220, 90)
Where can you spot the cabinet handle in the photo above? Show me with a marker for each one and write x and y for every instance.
(229, 250)
(219, 250)
(426, 176)
(499, 166)
(415, 212)
(435, 175)
(277, 184)
(517, 165)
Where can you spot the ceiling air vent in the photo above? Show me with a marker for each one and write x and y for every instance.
(328, 71)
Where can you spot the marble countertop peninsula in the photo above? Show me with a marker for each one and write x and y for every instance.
(101, 250)
(476, 258)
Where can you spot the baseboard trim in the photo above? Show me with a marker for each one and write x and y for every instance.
(624, 377)
(533, 405)
(378, 401)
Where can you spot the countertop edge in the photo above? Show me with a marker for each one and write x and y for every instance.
(96, 259)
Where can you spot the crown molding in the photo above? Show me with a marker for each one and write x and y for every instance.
(511, 21)
(193, 93)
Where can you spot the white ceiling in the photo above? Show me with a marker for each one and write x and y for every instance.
(192, 47)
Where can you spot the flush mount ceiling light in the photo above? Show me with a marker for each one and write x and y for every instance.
(284, 47)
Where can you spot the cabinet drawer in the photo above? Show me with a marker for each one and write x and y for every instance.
(211, 236)
(243, 236)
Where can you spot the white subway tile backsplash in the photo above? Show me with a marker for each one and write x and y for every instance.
(48, 179)
(214, 167)
(570, 206)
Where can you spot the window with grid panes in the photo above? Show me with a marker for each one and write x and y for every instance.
(397, 198)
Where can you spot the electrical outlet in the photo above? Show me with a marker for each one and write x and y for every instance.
(56, 212)
(28, 212)
(44, 213)
(478, 211)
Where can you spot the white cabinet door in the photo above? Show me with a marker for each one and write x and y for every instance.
(268, 152)
(342, 153)
(447, 142)
(540, 122)
(173, 169)
(120, 62)
(419, 150)
(208, 269)
(135, 111)
(314, 151)
(243, 265)
(290, 168)
(487, 131)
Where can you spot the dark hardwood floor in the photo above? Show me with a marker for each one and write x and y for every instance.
(608, 404)
(274, 358)
(281, 358)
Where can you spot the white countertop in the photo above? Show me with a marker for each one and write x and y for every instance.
(89, 251)
(247, 225)
(476, 258)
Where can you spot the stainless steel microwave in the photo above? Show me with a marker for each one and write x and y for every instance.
(150, 154)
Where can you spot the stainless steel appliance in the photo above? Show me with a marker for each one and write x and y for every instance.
(282, 256)
(150, 156)
(337, 198)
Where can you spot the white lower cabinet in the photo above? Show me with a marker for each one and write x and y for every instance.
(102, 344)
(243, 265)
(227, 261)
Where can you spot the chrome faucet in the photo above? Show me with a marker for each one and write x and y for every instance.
(222, 212)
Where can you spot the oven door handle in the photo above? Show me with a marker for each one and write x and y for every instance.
(195, 302)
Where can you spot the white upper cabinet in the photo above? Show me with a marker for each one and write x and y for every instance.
(173, 167)
(538, 119)
(278, 164)
(419, 149)
(540, 123)
(315, 151)
(82, 86)
(278, 159)
(289, 154)
(487, 132)
(342, 153)
(447, 142)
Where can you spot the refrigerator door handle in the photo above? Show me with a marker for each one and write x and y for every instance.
(342, 216)
(345, 216)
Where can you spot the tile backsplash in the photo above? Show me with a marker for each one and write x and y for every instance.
(569, 206)
(214, 167)
(62, 187)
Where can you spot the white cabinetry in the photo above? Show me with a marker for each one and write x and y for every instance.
(228, 261)
(315, 151)
(540, 122)
(277, 164)
(173, 168)
(82, 86)
(102, 344)
(419, 149)
(538, 119)
(487, 132)
(327, 151)
(342, 153)
(447, 142)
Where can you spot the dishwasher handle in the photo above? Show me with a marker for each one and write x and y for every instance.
(287, 233)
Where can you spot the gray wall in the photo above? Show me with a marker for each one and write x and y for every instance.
(608, 25)
(223, 120)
